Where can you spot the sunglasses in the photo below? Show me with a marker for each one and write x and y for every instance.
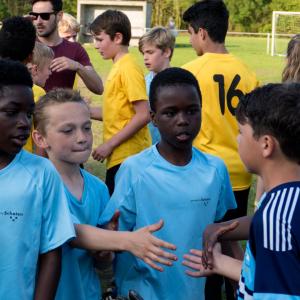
(44, 16)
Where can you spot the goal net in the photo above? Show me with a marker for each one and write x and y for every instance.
(285, 24)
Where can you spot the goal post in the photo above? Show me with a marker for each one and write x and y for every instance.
(285, 24)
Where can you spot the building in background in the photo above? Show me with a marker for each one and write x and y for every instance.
(138, 12)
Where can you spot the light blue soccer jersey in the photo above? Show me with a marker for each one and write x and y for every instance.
(79, 280)
(34, 219)
(155, 135)
(271, 266)
(188, 198)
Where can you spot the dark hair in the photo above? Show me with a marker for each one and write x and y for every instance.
(17, 38)
(53, 97)
(56, 4)
(112, 22)
(13, 73)
(211, 15)
(274, 109)
(171, 77)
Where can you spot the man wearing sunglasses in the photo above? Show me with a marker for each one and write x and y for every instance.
(70, 58)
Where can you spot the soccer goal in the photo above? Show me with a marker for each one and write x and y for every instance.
(285, 24)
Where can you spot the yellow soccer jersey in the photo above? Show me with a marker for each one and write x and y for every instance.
(37, 93)
(223, 79)
(124, 85)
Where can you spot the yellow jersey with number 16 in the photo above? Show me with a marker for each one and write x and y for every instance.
(223, 80)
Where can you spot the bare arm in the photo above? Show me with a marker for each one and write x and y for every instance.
(90, 78)
(87, 73)
(96, 113)
(140, 243)
(48, 275)
(139, 120)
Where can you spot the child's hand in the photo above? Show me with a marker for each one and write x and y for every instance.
(102, 152)
(210, 237)
(147, 247)
(195, 261)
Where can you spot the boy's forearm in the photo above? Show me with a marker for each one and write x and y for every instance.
(90, 78)
(241, 232)
(96, 113)
(228, 267)
(97, 239)
(48, 275)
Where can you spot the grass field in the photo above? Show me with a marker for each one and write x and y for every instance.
(251, 50)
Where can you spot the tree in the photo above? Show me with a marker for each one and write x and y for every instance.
(248, 15)
(164, 9)
(70, 6)
(10, 8)
(291, 5)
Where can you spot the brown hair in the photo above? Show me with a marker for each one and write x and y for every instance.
(160, 37)
(291, 71)
(112, 22)
(54, 97)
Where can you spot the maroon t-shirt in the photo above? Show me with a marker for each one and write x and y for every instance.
(65, 79)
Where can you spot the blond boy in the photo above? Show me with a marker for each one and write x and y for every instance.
(68, 28)
(157, 46)
(39, 68)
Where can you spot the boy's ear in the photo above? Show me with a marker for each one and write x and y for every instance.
(167, 53)
(39, 139)
(33, 69)
(268, 145)
(203, 33)
(152, 116)
(118, 38)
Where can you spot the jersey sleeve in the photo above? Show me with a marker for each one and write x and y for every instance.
(226, 197)
(134, 83)
(57, 226)
(82, 57)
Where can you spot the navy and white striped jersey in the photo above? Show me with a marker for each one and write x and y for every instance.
(271, 266)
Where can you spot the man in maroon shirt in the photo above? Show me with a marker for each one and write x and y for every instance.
(70, 58)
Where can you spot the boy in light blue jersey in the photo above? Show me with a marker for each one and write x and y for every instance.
(171, 181)
(269, 146)
(34, 216)
(63, 130)
(157, 46)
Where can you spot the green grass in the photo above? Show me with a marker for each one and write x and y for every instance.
(251, 50)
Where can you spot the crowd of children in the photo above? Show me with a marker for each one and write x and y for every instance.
(169, 214)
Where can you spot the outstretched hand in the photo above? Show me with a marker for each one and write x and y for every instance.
(194, 260)
(147, 247)
(211, 236)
